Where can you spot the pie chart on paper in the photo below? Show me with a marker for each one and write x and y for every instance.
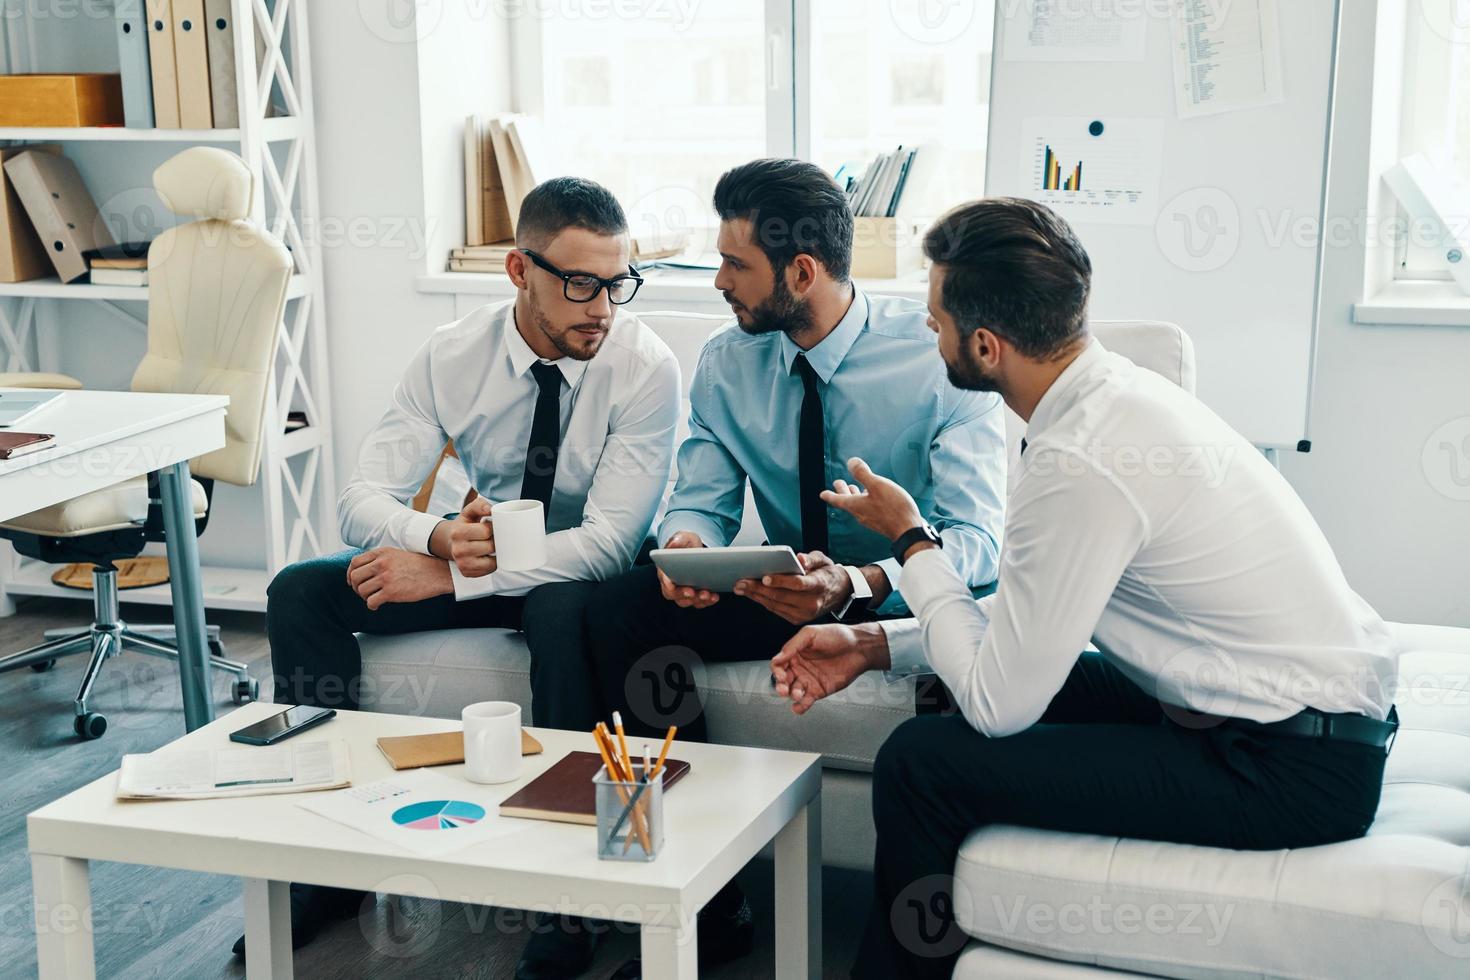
(438, 815)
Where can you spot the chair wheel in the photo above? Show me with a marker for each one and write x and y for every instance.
(248, 690)
(90, 725)
(43, 666)
(216, 648)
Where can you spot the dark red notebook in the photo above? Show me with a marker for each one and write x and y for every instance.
(13, 444)
(565, 793)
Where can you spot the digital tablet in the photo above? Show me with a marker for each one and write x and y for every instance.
(718, 569)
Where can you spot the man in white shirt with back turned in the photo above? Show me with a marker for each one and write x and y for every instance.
(1242, 697)
(556, 395)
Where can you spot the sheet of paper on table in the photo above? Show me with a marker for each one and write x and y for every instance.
(421, 810)
(197, 774)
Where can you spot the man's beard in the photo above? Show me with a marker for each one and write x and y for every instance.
(966, 375)
(562, 344)
(781, 311)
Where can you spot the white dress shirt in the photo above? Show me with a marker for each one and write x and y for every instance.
(472, 382)
(1140, 521)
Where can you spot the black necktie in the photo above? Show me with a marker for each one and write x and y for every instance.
(1023, 447)
(545, 437)
(811, 463)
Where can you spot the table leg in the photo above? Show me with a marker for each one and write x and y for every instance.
(267, 929)
(670, 952)
(799, 894)
(63, 918)
(188, 593)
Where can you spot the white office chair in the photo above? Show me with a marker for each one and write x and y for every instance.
(216, 295)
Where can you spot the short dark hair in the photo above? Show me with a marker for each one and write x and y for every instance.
(1013, 266)
(567, 202)
(793, 207)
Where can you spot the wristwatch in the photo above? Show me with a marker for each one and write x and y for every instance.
(911, 537)
(862, 593)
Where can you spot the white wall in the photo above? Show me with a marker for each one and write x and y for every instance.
(380, 150)
(1381, 393)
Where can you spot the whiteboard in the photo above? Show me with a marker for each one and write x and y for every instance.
(1219, 229)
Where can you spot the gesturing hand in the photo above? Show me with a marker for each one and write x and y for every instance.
(819, 661)
(385, 575)
(879, 504)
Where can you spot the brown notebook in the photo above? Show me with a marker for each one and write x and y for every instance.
(438, 749)
(13, 444)
(565, 793)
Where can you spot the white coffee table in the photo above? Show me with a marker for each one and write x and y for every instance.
(733, 802)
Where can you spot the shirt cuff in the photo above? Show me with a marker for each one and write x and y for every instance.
(905, 649)
(708, 531)
(471, 588)
(894, 605)
(928, 576)
(418, 531)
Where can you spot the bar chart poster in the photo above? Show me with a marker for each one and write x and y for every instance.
(1089, 170)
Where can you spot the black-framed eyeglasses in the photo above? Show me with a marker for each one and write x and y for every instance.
(583, 287)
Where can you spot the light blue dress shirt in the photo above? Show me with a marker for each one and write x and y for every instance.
(885, 397)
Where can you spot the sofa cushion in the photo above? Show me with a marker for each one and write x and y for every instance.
(439, 672)
(1394, 903)
(982, 962)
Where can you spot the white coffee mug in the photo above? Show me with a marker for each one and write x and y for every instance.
(492, 741)
(520, 535)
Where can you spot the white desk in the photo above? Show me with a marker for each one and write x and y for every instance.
(733, 802)
(105, 437)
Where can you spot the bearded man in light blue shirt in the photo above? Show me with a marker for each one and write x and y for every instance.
(813, 371)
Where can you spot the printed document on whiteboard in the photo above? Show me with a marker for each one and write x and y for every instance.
(1075, 30)
(1227, 56)
(1093, 170)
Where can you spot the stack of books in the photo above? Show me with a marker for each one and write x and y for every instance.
(503, 159)
(120, 265)
(877, 192)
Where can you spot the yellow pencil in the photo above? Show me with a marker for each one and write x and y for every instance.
(663, 754)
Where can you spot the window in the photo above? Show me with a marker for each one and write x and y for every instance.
(880, 80)
(657, 99)
(1436, 118)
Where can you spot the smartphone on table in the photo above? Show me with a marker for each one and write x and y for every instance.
(281, 726)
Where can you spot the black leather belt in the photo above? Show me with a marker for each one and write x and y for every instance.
(1311, 723)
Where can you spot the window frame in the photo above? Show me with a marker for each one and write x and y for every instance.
(788, 61)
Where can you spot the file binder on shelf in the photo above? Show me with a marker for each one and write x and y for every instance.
(161, 64)
(220, 29)
(132, 56)
(61, 209)
(191, 56)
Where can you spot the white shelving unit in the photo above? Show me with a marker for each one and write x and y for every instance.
(296, 478)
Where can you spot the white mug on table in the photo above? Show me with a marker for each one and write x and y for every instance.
(520, 535)
(492, 741)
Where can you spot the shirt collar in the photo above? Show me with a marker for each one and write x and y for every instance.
(1060, 396)
(826, 357)
(522, 356)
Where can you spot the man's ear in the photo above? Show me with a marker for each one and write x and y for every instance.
(985, 348)
(516, 267)
(802, 273)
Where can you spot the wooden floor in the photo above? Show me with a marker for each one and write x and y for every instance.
(170, 924)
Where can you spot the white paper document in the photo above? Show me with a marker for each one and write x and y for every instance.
(422, 811)
(292, 767)
(1227, 56)
(1098, 170)
(1075, 30)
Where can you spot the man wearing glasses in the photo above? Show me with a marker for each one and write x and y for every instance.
(556, 395)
